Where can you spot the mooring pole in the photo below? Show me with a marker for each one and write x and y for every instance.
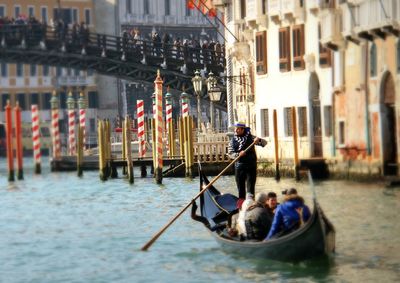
(159, 129)
(276, 142)
(18, 138)
(36, 138)
(295, 148)
(9, 143)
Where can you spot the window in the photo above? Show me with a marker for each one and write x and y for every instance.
(264, 6)
(63, 100)
(398, 56)
(20, 70)
(302, 121)
(75, 17)
(284, 49)
(32, 70)
(298, 47)
(288, 121)
(324, 53)
(2, 11)
(87, 16)
(4, 98)
(373, 64)
(17, 11)
(146, 8)
(46, 101)
(328, 120)
(58, 71)
(92, 125)
(45, 70)
(34, 99)
(187, 11)
(93, 99)
(31, 11)
(128, 7)
(265, 123)
(21, 100)
(261, 52)
(341, 133)
(44, 14)
(68, 70)
(76, 72)
(4, 69)
(242, 9)
(167, 7)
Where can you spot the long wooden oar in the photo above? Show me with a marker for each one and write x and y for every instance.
(156, 236)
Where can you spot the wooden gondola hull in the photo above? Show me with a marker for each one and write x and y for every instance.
(315, 238)
(307, 242)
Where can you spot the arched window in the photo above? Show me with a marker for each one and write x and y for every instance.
(372, 64)
(398, 56)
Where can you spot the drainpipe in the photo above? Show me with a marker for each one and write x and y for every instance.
(366, 91)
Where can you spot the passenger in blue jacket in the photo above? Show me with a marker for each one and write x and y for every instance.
(290, 215)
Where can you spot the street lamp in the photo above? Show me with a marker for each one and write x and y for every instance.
(197, 85)
(214, 93)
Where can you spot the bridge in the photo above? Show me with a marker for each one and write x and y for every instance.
(117, 56)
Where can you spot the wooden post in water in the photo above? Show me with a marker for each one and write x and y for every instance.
(9, 142)
(36, 138)
(108, 145)
(79, 155)
(102, 165)
(181, 137)
(123, 149)
(159, 129)
(128, 149)
(276, 142)
(18, 138)
(188, 127)
(295, 148)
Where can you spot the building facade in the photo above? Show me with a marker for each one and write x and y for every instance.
(165, 17)
(336, 63)
(33, 84)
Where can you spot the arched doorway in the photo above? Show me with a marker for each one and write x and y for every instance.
(315, 117)
(388, 125)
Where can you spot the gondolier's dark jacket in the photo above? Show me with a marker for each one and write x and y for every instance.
(250, 158)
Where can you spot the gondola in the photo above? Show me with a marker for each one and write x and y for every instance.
(315, 238)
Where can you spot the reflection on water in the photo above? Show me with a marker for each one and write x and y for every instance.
(59, 228)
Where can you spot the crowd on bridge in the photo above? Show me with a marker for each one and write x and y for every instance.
(190, 50)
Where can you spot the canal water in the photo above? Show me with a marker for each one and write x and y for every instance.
(56, 227)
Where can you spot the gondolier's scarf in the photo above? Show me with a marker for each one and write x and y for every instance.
(241, 141)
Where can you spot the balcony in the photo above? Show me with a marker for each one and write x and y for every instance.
(349, 19)
(377, 18)
(331, 27)
(292, 9)
(274, 10)
(251, 12)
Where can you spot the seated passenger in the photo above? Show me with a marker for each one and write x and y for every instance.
(289, 215)
(258, 218)
(237, 225)
(272, 203)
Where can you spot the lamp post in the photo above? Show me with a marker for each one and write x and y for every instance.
(215, 95)
(197, 85)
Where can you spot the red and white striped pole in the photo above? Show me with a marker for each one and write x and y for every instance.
(71, 124)
(185, 104)
(36, 138)
(140, 117)
(55, 125)
(168, 111)
(159, 128)
(82, 116)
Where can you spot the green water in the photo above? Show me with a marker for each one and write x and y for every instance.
(56, 227)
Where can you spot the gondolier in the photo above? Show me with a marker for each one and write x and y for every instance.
(246, 166)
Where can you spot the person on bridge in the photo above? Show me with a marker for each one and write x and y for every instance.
(246, 166)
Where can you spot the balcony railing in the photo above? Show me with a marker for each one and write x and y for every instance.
(376, 14)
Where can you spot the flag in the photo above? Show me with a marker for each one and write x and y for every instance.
(204, 6)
